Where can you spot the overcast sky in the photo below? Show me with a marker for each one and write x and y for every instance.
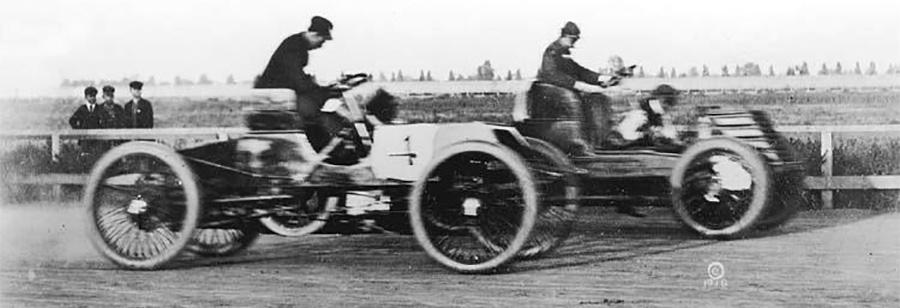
(42, 42)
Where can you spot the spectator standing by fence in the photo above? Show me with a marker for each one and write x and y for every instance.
(113, 111)
(138, 112)
(91, 115)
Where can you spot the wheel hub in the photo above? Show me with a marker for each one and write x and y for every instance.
(137, 206)
(728, 175)
(471, 206)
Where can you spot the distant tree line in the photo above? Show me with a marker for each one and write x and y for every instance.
(753, 69)
(483, 72)
(486, 72)
(150, 82)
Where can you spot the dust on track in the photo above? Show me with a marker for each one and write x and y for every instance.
(830, 258)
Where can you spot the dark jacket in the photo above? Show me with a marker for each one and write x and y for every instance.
(558, 69)
(140, 117)
(84, 119)
(285, 68)
(113, 117)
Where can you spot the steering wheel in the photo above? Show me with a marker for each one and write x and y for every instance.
(353, 80)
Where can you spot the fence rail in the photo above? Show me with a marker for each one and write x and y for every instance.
(827, 183)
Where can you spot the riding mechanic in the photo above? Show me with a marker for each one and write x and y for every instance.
(569, 96)
(650, 125)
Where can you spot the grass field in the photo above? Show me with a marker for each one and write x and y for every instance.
(802, 108)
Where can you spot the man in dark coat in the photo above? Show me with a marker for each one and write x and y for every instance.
(90, 115)
(138, 111)
(113, 111)
(286, 70)
(570, 94)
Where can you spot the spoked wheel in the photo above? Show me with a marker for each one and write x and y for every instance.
(474, 207)
(786, 201)
(558, 201)
(788, 190)
(308, 215)
(144, 204)
(720, 188)
(211, 242)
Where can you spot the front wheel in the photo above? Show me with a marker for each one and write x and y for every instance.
(720, 188)
(144, 205)
(474, 207)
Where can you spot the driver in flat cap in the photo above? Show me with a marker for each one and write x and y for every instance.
(568, 95)
(286, 71)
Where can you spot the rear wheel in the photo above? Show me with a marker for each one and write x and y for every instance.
(212, 242)
(788, 189)
(720, 188)
(309, 215)
(474, 207)
(558, 202)
(785, 202)
(144, 204)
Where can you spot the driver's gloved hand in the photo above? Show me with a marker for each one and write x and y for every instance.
(612, 82)
(334, 92)
(587, 88)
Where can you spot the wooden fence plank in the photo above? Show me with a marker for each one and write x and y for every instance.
(125, 134)
(47, 179)
(852, 182)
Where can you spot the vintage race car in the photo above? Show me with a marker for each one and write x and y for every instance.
(476, 196)
(730, 174)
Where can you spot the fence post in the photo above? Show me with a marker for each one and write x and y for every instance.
(56, 190)
(54, 147)
(827, 151)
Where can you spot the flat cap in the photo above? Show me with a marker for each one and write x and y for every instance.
(321, 26)
(90, 91)
(571, 29)
(137, 85)
(109, 89)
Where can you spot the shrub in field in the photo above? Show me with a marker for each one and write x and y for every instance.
(443, 109)
(30, 158)
(879, 156)
(26, 159)
(854, 156)
(873, 156)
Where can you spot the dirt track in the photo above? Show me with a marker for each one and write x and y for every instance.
(839, 258)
